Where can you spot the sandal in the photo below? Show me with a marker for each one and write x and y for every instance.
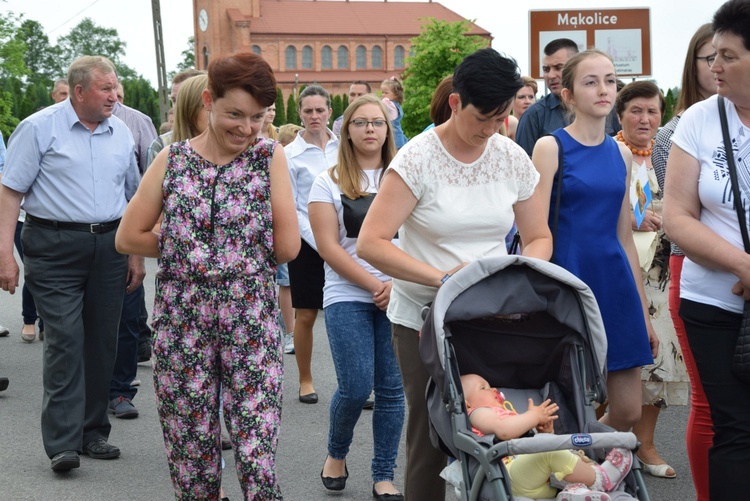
(658, 470)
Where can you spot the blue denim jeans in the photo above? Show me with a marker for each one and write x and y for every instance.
(360, 339)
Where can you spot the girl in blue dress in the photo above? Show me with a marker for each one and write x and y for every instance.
(593, 237)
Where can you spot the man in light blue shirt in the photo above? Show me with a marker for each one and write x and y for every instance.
(75, 165)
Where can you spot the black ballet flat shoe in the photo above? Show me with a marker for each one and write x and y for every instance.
(386, 497)
(310, 398)
(335, 483)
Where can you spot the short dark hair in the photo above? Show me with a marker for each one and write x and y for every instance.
(487, 80)
(362, 82)
(560, 43)
(314, 90)
(634, 90)
(246, 71)
(734, 17)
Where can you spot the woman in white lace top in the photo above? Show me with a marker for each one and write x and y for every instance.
(452, 194)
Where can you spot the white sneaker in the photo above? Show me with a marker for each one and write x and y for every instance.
(289, 344)
(4, 331)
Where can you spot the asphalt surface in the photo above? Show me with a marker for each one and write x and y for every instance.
(141, 472)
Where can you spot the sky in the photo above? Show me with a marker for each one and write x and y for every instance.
(673, 22)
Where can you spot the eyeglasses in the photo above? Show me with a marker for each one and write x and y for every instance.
(709, 59)
(361, 122)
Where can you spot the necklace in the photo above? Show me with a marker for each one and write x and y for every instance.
(633, 149)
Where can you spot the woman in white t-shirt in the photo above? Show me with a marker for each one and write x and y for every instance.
(452, 193)
(700, 217)
(355, 298)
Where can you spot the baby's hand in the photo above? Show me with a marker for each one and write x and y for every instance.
(545, 412)
(546, 428)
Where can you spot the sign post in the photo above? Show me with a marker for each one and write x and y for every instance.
(624, 34)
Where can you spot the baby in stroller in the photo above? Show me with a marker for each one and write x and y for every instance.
(490, 413)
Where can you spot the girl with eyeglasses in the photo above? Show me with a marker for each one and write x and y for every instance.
(355, 298)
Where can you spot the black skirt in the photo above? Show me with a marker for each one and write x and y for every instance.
(306, 279)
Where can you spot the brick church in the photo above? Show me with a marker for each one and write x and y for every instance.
(330, 43)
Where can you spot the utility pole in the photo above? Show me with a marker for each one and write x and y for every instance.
(161, 69)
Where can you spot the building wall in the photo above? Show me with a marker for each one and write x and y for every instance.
(229, 31)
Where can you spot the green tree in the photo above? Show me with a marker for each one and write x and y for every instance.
(188, 56)
(188, 59)
(35, 97)
(337, 105)
(12, 68)
(280, 118)
(292, 116)
(41, 58)
(671, 101)
(435, 53)
(12, 47)
(140, 95)
(89, 39)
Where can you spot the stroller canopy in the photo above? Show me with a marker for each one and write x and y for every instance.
(533, 302)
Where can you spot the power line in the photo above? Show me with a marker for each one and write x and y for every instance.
(74, 16)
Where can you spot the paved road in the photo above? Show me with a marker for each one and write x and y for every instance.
(141, 472)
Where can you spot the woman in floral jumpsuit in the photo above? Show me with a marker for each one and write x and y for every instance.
(228, 220)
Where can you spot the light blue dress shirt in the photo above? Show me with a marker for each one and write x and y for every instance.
(69, 173)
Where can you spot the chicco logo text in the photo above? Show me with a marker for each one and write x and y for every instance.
(581, 440)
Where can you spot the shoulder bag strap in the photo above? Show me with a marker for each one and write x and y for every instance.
(558, 195)
(731, 166)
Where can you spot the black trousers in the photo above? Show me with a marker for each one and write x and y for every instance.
(712, 333)
(78, 282)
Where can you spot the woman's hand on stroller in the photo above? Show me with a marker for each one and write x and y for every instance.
(546, 415)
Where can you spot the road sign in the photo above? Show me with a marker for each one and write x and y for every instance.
(625, 34)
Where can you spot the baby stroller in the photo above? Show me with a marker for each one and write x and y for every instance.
(533, 330)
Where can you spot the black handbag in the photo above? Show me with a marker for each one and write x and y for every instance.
(741, 360)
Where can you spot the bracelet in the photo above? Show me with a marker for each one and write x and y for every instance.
(445, 278)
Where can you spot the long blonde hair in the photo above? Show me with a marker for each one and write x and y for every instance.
(187, 108)
(347, 173)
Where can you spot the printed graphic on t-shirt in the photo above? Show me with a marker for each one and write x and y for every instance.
(741, 152)
(355, 211)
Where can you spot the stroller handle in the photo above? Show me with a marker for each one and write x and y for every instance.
(548, 442)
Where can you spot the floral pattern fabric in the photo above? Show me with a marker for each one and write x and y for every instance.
(215, 322)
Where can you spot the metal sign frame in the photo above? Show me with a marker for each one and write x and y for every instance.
(625, 34)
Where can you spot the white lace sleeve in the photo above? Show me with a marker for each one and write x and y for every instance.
(409, 163)
(524, 172)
